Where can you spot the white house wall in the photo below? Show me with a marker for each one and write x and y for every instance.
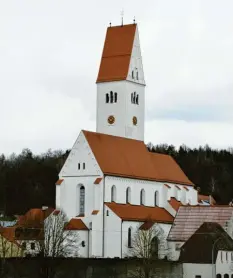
(192, 270)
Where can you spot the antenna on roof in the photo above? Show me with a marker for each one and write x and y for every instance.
(122, 17)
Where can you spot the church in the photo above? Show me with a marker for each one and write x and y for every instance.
(111, 184)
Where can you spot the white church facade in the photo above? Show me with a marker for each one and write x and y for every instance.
(110, 184)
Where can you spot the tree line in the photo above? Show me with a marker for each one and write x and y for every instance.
(28, 180)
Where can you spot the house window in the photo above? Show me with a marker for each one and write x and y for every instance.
(24, 245)
(128, 195)
(137, 75)
(132, 74)
(154, 247)
(84, 165)
(156, 198)
(137, 99)
(107, 98)
(113, 193)
(82, 200)
(111, 96)
(129, 238)
(107, 212)
(33, 246)
(142, 197)
(79, 166)
(115, 97)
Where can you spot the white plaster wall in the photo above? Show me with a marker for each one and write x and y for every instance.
(58, 196)
(96, 248)
(75, 248)
(224, 263)
(191, 270)
(123, 110)
(112, 234)
(150, 188)
(174, 248)
(80, 153)
(136, 61)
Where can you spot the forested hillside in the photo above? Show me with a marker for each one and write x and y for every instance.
(28, 180)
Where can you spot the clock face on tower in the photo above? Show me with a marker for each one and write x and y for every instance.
(111, 120)
(135, 120)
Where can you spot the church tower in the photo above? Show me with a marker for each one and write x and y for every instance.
(121, 85)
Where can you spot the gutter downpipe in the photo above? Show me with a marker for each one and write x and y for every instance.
(103, 236)
(121, 237)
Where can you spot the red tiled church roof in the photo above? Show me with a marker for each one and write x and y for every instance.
(141, 213)
(118, 156)
(174, 203)
(116, 53)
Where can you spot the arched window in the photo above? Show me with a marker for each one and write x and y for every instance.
(129, 238)
(107, 98)
(156, 198)
(137, 99)
(128, 195)
(142, 197)
(154, 247)
(81, 200)
(115, 97)
(113, 193)
(226, 275)
(218, 276)
(111, 96)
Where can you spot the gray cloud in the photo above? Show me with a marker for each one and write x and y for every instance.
(50, 52)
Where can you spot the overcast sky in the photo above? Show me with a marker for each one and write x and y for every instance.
(49, 58)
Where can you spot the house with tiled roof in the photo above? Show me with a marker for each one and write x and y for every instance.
(190, 218)
(110, 183)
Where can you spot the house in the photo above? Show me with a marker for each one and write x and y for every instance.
(208, 253)
(110, 183)
(9, 247)
(189, 218)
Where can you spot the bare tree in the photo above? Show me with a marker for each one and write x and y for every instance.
(148, 244)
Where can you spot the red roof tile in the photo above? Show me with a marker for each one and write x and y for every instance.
(98, 180)
(207, 198)
(116, 53)
(59, 182)
(94, 212)
(146, 225)
(189, 218)
(76, 224)
(141, 213)
(130, 158)
(174, 203)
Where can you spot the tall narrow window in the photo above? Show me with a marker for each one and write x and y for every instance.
(156, 198)
(137, 99)
(142, 197)
(134, 97)
(115, 97)
(79, 166)
(128, 195)
(132, 74)
(82, 200)
(137, 75)
(129, 238)
(111, 96)
(113, 193)
(84, 166)
(131, 97)
(107, 98)
(226, 275)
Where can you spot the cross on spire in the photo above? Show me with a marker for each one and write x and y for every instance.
(122, 17)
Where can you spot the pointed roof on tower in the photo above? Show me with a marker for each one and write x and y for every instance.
(117, 52)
